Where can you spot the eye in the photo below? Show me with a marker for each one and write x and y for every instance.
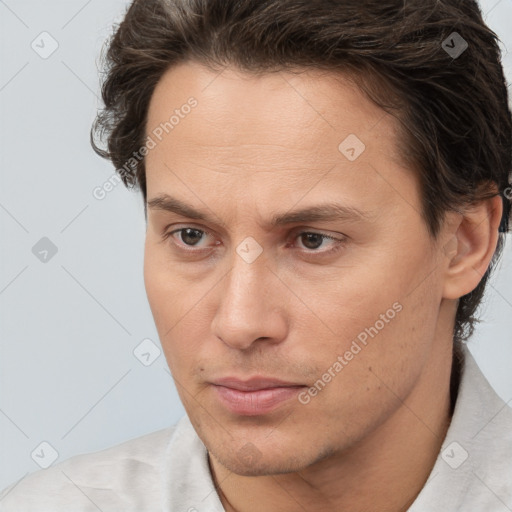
(188, 237)
(313, 241)
(191, 236)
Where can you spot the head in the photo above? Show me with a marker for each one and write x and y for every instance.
(317, 182)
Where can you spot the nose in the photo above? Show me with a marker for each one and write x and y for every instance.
(250, 307)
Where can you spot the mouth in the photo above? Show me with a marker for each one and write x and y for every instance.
(255, 396)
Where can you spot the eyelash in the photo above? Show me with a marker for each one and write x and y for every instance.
(332, 251)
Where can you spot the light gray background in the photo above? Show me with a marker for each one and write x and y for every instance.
(68, 375)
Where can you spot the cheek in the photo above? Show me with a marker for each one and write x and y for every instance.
(380, 314)
(384, 357)
(169, 296)
(350, 303)
(178, 309)
(362, 382)
(158, 289)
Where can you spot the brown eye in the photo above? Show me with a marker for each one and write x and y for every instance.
(190, 236)
(318, 244)
(312, 240)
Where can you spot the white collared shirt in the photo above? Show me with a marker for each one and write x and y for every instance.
(167, 470)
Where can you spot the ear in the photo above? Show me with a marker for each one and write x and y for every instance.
(471, 246)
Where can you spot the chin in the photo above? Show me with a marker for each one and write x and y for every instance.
(249, 461)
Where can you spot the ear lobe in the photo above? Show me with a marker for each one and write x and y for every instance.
(470, 250)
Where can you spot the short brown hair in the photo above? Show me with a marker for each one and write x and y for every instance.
(456, 126)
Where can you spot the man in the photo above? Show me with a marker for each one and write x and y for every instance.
(326, 188)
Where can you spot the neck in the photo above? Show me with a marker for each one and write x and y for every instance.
(385, 471)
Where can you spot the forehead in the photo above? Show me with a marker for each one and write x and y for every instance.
(244, 115)
(272, 138)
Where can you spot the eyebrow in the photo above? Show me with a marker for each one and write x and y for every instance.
(321, 212)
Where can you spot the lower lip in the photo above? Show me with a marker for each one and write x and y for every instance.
(253, 403)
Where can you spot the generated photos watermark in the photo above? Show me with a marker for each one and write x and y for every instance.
(357, 345)
(152, 140)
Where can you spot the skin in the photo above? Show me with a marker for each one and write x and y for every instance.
(257, 146)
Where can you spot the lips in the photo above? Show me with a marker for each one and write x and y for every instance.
(254, 396)
(253, 384)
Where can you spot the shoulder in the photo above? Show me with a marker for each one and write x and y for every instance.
(123, 477)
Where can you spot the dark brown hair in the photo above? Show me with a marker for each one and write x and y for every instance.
(456, 126)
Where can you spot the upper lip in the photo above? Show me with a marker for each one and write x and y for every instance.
(253, 383)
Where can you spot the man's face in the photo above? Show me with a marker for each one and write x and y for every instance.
(341, 309)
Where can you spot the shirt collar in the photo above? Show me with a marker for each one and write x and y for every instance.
(187, 481)
(474, 466)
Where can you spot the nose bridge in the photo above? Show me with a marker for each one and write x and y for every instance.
(247, 308)
(244, 289)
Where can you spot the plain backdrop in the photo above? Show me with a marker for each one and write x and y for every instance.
(69, 325)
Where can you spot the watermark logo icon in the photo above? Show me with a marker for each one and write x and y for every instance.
(249, 454)
(147, 352)
(249, 249)
(44, 455)
(454, 455)
(351, 147)
(44, 250)
(45, 45)
(454, 45)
